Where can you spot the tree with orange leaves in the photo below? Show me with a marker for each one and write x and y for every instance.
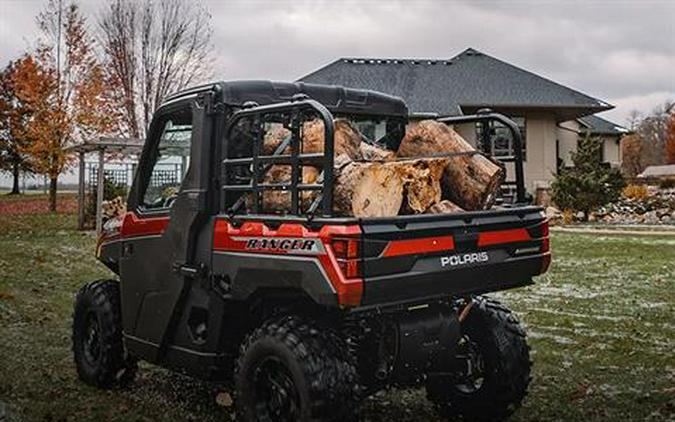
(64, 87)
(14, 116)
(670, 140)
(632, 154)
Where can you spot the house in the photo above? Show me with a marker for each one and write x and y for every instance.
(552, 117)
(595, 126)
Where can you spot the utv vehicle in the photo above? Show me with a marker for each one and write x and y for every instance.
(305, 312)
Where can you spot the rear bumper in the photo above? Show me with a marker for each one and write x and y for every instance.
(510, 273)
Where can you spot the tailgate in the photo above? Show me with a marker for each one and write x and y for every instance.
(414, 257)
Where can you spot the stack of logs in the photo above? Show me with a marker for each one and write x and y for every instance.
(433, 171)
(113, 208)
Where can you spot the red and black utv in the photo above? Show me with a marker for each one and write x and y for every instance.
(306, 312)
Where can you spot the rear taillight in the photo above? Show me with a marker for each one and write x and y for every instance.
(345, 248)
(350, 269)
(347, 255)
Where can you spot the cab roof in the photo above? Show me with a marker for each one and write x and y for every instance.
(337, 99)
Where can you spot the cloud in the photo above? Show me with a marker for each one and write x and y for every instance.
(613, 50)
(622, 52)
(642, 103)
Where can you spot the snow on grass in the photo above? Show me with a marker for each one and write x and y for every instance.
(601, 326)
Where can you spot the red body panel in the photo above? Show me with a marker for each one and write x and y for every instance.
(414, 246)
(499, 237)
(133, 226)
(129, 226)
(243, 239)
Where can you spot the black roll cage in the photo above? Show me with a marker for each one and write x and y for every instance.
(260, 163)
(485, 117)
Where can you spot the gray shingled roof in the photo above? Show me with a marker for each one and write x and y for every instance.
(599, 126)
(469, 80)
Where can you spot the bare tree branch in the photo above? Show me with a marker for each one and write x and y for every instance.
(153, 49)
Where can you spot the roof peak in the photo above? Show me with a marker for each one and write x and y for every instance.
(470, 51)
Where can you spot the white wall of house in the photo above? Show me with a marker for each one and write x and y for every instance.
(568, 136)
(611, 151)
(468, 132)
(540, 167)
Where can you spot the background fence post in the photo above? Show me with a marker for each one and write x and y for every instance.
(80, 194)
(100, 182)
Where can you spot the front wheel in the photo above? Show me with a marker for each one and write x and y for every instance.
(98, 348)
(497, 361)
(290, 370)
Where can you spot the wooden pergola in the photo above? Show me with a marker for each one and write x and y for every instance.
(102, 146)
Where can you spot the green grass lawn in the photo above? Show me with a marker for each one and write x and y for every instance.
(601, 325)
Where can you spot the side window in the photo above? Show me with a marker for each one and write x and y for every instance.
(172, 159)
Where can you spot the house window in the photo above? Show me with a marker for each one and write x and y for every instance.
(501, 142)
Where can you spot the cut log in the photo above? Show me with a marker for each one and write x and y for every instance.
(470, 181)
(367, 189)
(274, 136)
(444, 207)
(280, 200)
(421, 182)
(113, 208)
(374, 153)
(346, 139)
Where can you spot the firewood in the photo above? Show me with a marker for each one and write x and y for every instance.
(346, 140)
(113, 208)
(280, 200)
(444, 207)
(421, 182)
(274, 136)
(470, 181)
(374, 153)
(367, 189)
(371, 182)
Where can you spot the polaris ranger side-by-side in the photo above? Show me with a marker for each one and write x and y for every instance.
(306, 312)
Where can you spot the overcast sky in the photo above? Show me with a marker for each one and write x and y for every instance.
(622, 52)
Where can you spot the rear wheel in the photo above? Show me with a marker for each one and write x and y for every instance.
(98, 348)
(290, 370)
(496, 356)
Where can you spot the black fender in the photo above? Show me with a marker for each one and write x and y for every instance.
(247, 273)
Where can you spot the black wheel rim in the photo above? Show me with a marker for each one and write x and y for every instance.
(474, 378)
(92, 340)
(276, 397)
